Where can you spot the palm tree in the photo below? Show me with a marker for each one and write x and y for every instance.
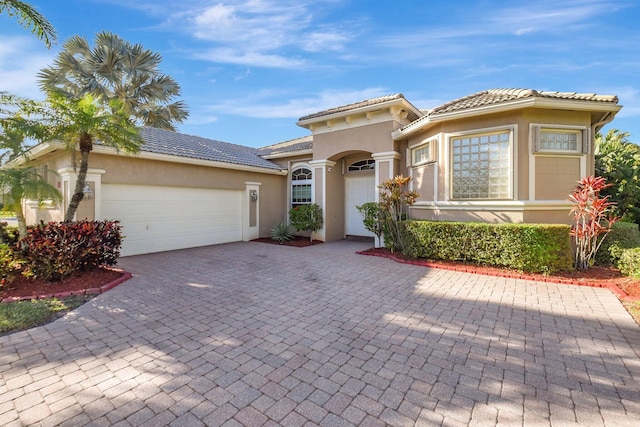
(18, 183)
(81, 122)
(30, 19)
(117, 69)
(122, 77)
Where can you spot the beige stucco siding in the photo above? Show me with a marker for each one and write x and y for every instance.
(335, 213)
(375, 138)
(556, 177)
(132, 170)
(424, 182)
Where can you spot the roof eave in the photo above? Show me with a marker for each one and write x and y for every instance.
(287, 154)
(360, 110)
(37, 151)
(558, 104)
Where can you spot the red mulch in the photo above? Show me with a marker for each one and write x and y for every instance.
(624, 287)
(298, 241)
(81, 283)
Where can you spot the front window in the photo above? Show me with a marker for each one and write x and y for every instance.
(480, 166)
(362, 165)
(559, 140)
(422, 154)
(301, 187)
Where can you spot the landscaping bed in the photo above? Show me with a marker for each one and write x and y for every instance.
(80, 283)
(298, 241)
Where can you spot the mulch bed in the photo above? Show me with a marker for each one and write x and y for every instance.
(298, 241)
(80, 283)
(624, 287)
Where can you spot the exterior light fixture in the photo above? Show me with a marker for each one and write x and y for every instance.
(87, 191)
(254, 195)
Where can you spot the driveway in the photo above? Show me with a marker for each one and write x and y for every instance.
(254, 334)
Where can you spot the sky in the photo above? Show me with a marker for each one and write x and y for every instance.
(249, 69)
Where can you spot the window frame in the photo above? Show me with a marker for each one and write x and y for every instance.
(511, 132)
(582, 139)
(300, 183)
(370, 162)
(428, 147)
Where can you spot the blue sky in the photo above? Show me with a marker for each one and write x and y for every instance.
(250, 68)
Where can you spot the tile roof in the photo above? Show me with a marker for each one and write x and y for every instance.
(354, 106)
(160, 141)
(290, 146)
(498, 96)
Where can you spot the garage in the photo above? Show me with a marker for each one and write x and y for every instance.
(159, 218)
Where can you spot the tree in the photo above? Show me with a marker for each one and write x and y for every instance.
(114, 77)
(395, 199)
(18, 183)
(30, 19)
(306, 218)
(618, 161)
(373, 218)
(593, 217)
(80, 122)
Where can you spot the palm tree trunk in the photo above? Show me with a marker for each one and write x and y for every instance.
(78, 194)
(22, 222)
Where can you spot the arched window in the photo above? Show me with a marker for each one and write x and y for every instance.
(301, 186)
(362, 165)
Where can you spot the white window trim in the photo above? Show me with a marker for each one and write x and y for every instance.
(432, 143)
(583, 133)
(295, 167)
(364, 171)
(513, 149)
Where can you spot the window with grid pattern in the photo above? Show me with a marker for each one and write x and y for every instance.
(559, 140)
(301, 187)
(480, 166)
(422, 154)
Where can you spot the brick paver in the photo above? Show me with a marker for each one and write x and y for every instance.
(253, 334)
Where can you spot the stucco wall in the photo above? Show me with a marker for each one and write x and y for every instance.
(136, 171)
(373, 138)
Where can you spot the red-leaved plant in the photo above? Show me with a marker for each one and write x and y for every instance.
(593, 219)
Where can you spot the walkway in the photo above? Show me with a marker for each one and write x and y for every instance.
(251, 334)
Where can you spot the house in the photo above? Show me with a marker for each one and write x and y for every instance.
(501, 155)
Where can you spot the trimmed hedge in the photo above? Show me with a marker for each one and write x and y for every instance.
(624, 235)
(540, 248)
(629, 262)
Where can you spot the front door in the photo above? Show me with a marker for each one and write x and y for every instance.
(359, 190)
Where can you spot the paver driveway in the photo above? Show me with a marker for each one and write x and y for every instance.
(255, 334)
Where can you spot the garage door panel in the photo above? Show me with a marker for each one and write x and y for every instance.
(158, 219)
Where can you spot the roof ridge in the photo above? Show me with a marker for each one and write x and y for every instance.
(353, 105)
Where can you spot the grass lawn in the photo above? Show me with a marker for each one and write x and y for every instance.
(17, 316)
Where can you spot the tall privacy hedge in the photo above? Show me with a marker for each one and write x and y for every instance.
(542, 248)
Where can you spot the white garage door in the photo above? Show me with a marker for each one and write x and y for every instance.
(156, 219)
(360, 190)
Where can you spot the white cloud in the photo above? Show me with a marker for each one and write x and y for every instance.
(266, 104)
(262, 33)
(21, 58)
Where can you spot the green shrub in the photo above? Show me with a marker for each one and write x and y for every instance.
(624, 235)
(9, 264)
(526, 247)
(54, 251)
(629, 262)
(282, 232)
(306, 218)
(8, 235)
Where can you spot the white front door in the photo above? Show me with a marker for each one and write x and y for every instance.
(359, 190)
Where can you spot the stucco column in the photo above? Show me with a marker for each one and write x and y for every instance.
(251, 211)
(319, 193)
(87, 206)
(385, 167)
